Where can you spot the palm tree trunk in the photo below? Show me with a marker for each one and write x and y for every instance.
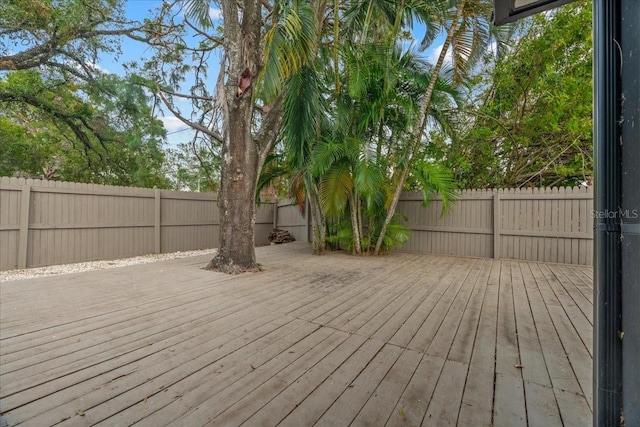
(357, 250)
(421, 122)
(318, 223)
(361, 233)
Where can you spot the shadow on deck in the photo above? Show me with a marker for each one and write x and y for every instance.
(335, 340)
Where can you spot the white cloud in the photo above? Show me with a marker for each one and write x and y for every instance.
(96, 67)
(173, 124)
(215, 13)
(435, 54)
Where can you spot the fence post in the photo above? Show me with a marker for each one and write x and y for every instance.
(496, 225)
(275, 213)
(23, 243)
(156, 222)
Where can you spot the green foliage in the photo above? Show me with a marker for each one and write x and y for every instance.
(103, 132)
(341, 237)
(396, 235)
(192, 167)
(433, 179)
(288, 45)
(531, 125)
(75, 122)
(63, 35)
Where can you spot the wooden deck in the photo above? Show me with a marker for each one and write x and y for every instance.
(336, 340)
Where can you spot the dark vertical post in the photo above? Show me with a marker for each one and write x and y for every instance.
(630, 209)
(607, 356)
(275, 213)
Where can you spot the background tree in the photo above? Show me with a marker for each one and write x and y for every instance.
(531, 125)
(105, 133)
(76, 122)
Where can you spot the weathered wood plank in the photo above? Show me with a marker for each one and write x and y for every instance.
(380, 405)
(429, 324)
(509, 402)
(441, 344)
(462, 346)
(558, 365)
(351, 401)
(360, 319)
(444, 407)
(393, 325)
(408, 340)
(413, 403)
(542, 408)
(309, 350)
(298, 377)
(319, 400)
(533, 367)
(477, 401)
(214, 376)
(137, 384)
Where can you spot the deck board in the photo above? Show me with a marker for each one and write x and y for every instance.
(397, 340)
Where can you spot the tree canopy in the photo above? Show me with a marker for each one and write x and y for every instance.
(529, 122)
(62, 116)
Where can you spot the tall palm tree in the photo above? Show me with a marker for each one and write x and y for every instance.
(375, 86)
(467, 32)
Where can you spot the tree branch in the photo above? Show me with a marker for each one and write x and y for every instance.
(270, 127)
(204, 34)
(213, 134)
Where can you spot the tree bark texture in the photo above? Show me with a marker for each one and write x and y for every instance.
(243, 152)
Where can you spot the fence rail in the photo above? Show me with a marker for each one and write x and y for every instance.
(47, 222)
(548, 224)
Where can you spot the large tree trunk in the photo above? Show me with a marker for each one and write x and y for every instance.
(243, 153)
(236, 197)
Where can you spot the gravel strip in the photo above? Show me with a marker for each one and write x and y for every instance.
(53, 270)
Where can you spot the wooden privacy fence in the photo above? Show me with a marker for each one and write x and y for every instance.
(47, 222)
(547, 225)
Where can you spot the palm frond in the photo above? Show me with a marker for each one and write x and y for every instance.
(396, 235)
(335, 187)
(198, 11)
(288, 46)
(303, 111)
(326, 155)
(436, 179)
(369, 178)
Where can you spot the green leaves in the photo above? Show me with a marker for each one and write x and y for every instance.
(101, 132)
(288, 46)
(532, 124)
(432, 179)
(303, 111)
(335, 187)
